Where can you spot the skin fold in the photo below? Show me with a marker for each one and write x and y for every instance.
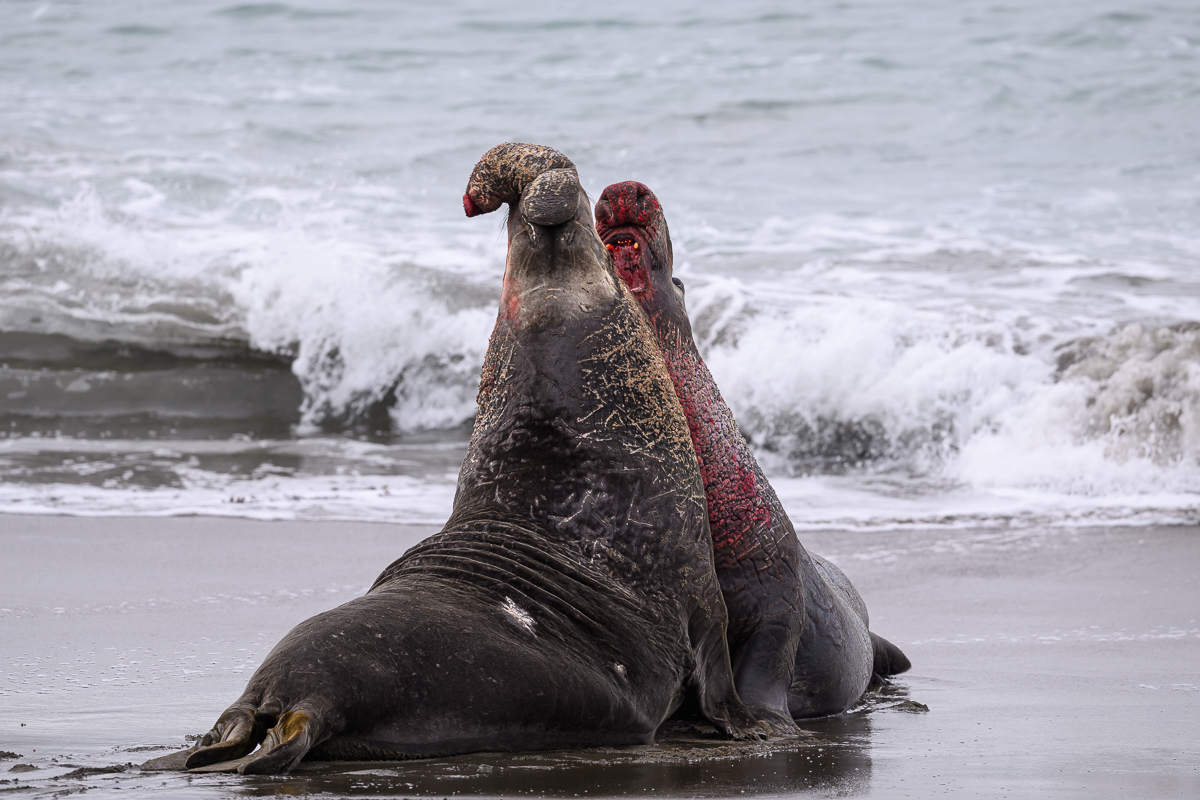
(798, 630)
(571, 599)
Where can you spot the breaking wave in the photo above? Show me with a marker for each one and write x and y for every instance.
(372, 335)
(941, 264)
(849, 366)
(852, 385)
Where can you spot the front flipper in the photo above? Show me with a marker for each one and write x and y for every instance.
(713, 678)
(765, 666)
(284, 747)
(777, 724)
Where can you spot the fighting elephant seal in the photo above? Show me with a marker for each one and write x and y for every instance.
(570, 599)
(798, 630)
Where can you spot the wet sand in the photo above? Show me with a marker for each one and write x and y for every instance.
(1054, 663)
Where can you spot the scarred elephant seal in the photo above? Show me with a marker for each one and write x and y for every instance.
(798, 634)
(570, 600)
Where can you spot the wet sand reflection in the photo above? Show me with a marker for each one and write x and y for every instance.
(688, 760)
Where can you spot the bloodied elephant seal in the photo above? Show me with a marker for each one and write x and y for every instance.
(798, 630)
(571, 598)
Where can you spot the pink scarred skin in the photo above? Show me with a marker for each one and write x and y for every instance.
(798, 634)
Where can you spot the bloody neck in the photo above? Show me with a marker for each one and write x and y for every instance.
(744, 513)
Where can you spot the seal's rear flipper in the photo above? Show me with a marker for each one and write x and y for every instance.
(286, 737)
(275, 757)
(237, 732)
(285, 746)
(889, 660)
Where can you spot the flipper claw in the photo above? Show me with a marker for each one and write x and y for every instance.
(754, 732)
(285, 738)
(236, 733)
(284, 747)
(777, 724)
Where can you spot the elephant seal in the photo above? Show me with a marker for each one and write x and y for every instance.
(571, 599)
(798, 630)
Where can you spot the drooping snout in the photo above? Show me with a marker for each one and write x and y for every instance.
(540, 179)
(556, 265)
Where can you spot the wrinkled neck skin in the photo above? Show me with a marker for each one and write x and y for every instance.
(747, 520)
(578, 425)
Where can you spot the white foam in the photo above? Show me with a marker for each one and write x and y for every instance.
(391, 498)
(834, 374)
(942, 365)
(360, 316)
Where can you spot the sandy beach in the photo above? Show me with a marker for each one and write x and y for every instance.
(1053, 662)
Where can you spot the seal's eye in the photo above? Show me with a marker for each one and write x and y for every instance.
(678, 283)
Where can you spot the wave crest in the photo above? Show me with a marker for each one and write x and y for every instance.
(838, 385)
(1143, 390)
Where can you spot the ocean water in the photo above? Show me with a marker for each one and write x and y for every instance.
(941, 256)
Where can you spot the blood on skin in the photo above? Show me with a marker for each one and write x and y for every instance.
(627, 260)
(469, 206)
(630, 221)
(632, 206)
(737, 511)
(628, 203)
(510, 297)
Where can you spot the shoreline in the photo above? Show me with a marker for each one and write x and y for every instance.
(1053, 661)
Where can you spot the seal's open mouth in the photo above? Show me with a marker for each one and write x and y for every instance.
(630, 257)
